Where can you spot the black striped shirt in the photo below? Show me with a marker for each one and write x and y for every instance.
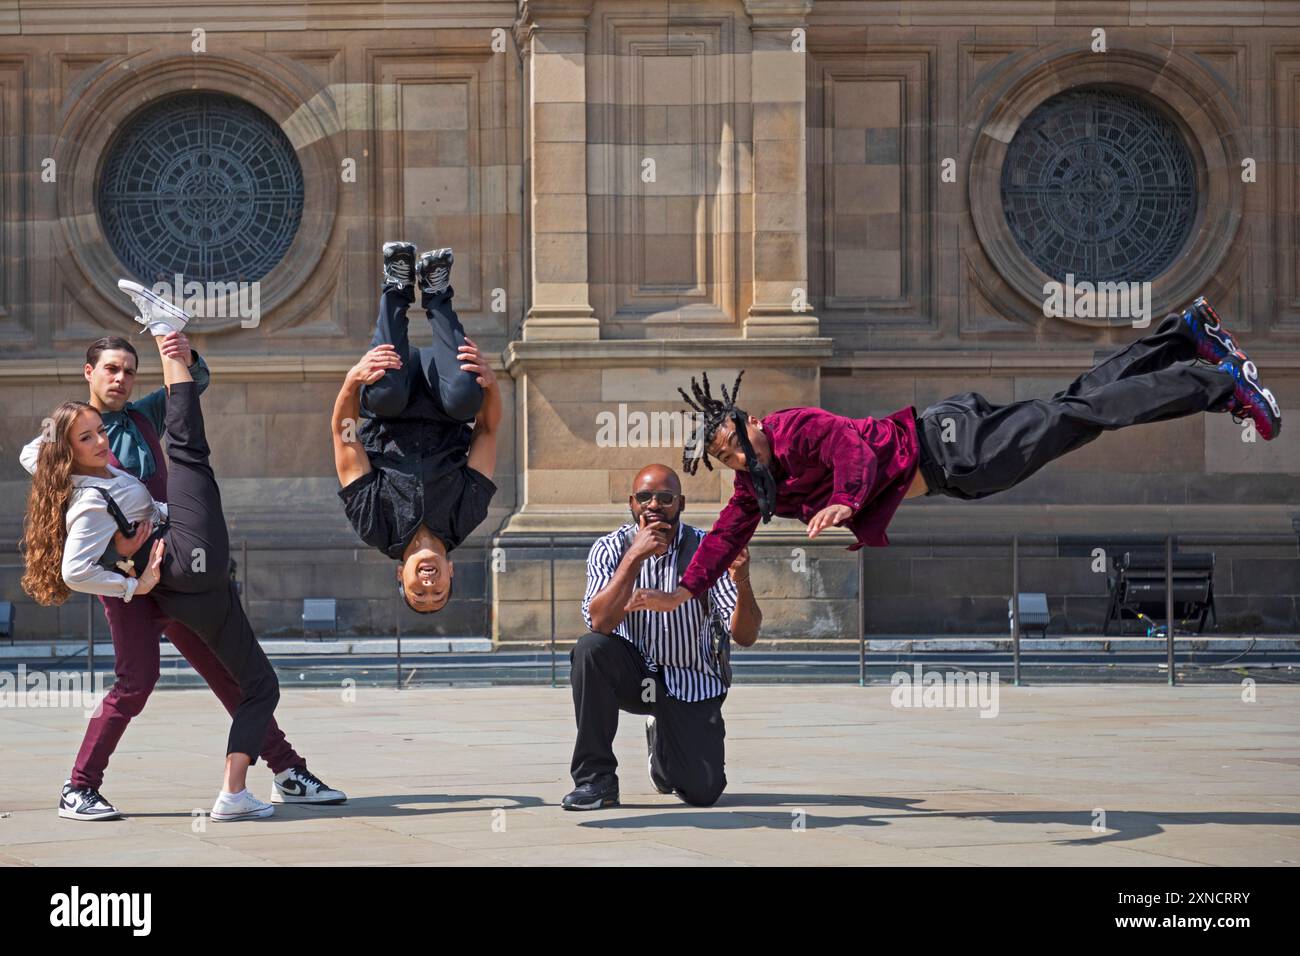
(675, 641)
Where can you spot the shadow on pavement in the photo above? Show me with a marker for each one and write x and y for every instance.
(391, 805)
(748, 811)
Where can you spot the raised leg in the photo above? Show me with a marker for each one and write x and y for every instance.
(984, 448)
(456, 390)
(388, 397)
(197, 555)
(1168, 344)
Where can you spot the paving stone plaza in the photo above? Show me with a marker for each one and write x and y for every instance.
(1076, 776)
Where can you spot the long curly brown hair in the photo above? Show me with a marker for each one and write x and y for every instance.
(45, 530)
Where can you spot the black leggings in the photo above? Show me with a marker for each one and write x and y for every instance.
(971, 448)
(430, 385)
(195, 586)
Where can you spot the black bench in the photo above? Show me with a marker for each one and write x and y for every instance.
(1138, 591)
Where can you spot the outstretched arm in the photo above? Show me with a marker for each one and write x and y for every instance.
(350, 459)
(483, 443)
(746, 616)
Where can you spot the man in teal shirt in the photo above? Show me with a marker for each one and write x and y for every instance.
(124, 437)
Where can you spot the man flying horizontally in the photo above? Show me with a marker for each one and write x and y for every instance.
(825, 469)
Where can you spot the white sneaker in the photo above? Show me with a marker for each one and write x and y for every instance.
(300, 785)
(158, 315)
(242, 806)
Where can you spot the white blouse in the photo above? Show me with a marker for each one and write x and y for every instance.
(91, 529)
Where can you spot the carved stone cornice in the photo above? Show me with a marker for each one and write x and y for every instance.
(778, 13)
(562, 15)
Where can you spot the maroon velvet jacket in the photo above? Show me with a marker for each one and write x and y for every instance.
(819, 459)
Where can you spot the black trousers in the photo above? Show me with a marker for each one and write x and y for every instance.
(430, 385)
(609, 674)
(195, 586)
(971, 448)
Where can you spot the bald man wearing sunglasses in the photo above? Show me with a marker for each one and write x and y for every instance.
(674, 667)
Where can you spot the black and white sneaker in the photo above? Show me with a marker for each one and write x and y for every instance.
(434, 271)
(85, 803)
(157, 315)
(399, 265)
(657, 781)
(300, 785)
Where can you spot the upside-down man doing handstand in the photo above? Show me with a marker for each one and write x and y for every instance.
(415, 478)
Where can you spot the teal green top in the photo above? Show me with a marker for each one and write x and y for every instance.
(124, 436)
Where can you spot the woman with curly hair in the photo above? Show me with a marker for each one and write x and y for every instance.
(180, 548)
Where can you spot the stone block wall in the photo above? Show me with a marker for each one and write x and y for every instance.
(804, 189)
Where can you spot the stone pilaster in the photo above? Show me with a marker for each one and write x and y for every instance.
(780, 305)
(552, 36)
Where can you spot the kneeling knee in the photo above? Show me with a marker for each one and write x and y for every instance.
(703, 792)
(703, 796)
(588, 646)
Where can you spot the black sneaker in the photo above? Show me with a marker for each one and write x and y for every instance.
(399, 265)
(657, 781)
(596, 795)
(85, 803)
(434, 271)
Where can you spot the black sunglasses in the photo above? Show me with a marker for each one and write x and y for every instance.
(665, 498)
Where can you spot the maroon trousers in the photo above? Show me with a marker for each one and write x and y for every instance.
(135, 628)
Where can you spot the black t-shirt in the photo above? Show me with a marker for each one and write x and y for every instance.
(419, 475)
(387, 506)
(414, 444)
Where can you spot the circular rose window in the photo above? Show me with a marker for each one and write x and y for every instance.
(204, 185)
(1100, 185)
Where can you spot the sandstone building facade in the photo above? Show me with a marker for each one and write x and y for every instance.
(859, 203)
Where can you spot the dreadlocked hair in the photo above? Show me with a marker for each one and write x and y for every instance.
(714, 413)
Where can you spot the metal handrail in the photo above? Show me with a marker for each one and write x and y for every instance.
(569, 540)
(1093, 538)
